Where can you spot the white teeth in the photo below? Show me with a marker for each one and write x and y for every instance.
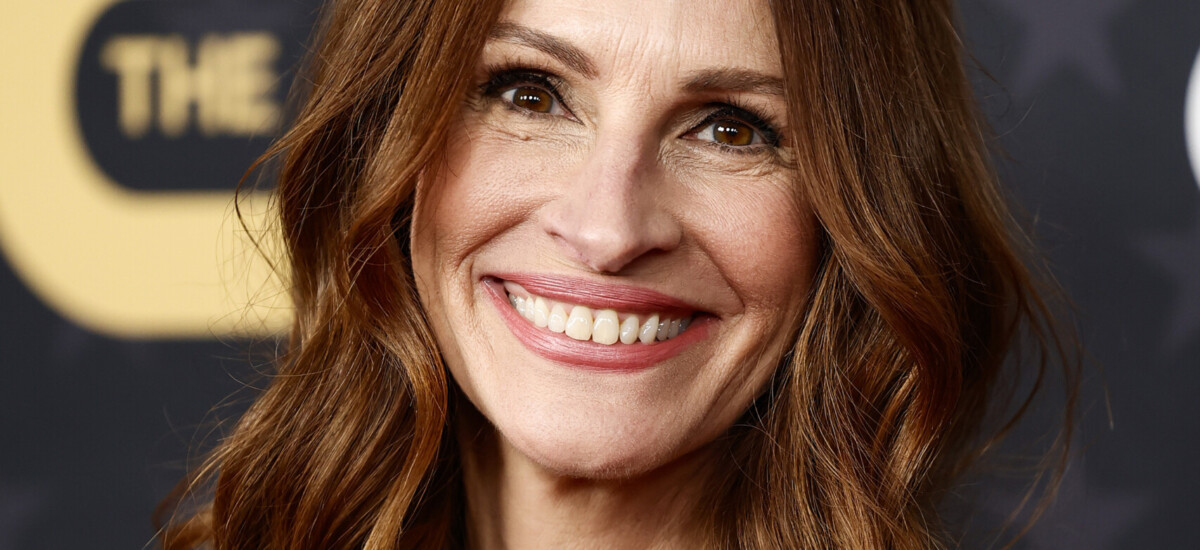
(558, 319)
(629, 330)
(541, 312)
(529, 307)
(606, 329)
(648, 331)
(601, 326)
(579, 324)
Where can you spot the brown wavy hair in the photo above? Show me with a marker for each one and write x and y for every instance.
(922, 290)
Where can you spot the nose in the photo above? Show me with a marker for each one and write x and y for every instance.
(612, 211)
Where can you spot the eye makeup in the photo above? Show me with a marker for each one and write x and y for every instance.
(503, 77)
(730, 110)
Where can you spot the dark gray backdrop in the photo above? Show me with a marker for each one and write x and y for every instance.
(1089, 105)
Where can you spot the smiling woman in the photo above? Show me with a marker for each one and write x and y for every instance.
(608, 173)
(627, 275)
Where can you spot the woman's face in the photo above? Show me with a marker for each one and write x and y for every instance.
(614, 254)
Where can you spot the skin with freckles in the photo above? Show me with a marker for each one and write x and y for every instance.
(626, 143)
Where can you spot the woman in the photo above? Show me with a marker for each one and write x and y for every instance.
(627, 275)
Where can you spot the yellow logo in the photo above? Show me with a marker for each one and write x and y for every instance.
(229, 82)
(122, 261)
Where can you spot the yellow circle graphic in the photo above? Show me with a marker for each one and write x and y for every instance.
(120, 262)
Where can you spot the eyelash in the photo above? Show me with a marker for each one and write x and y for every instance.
(730, 109)
(503, 78)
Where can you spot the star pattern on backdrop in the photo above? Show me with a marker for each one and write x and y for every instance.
(1062, 35)
(1177, 255)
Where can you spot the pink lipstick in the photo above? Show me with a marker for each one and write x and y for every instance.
(561, 348)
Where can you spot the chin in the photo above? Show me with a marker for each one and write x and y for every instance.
(591, 457)
(591, 443)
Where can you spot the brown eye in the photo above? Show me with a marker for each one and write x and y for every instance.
(534, 99)
(732, 132)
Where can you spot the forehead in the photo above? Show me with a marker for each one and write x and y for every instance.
(681, 35)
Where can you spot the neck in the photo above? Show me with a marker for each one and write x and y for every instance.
(514, 503)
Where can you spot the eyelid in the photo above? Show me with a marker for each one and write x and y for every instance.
(764, 129)
(501, 80)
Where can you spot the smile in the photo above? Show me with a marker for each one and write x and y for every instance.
(602, 326)
(583, 323)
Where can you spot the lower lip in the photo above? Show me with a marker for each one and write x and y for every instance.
(585, 353)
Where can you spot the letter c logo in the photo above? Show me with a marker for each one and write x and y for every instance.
(1192, 119)
(163, 264)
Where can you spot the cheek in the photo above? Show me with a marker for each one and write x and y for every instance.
(758, 238)
(488, 187)
(762, 237)
(772, 264)
(466, 208)
(481, 200)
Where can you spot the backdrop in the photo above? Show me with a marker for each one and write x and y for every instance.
(129, 300)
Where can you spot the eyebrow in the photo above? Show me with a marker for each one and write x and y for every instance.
(566, 53)
(723, 79)
(735, 80)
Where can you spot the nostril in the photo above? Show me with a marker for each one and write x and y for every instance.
(609, 243)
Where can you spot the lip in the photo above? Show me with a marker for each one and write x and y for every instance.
(585, 292)
(585, 353)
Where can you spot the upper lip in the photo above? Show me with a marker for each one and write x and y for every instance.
(599, 295)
